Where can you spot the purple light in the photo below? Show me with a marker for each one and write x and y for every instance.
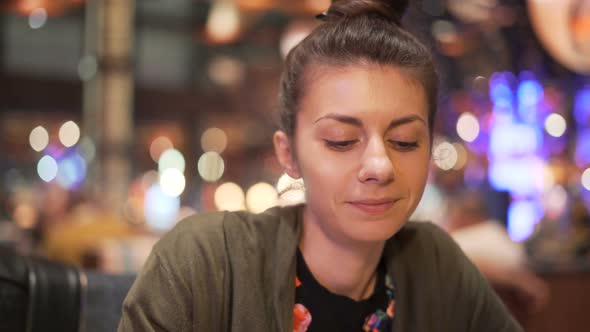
(502, 115)
(582, 107)
(582, 154)
(57, 152)
(474, 175)
(71, 171)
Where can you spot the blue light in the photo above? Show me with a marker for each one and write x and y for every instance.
(530, 93)
(501, 94)
(514, 139)
(71, 171)
(161, 210)
(582, 107)
(582, 154)
(522, 217)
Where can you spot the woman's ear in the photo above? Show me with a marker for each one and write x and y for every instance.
(284, 152)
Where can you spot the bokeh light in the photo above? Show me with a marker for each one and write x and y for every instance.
(39, 138)
(431, 206)
(211, 166)
(523, 176)
(586, 179)
(582, 152)
(171, 158)
(158, 146)
(522, 218)
(87, 149)
(444, 31)
(69, 134)
(530, 93)
(223, 23)
(37, 18)
(226, 71)
(462, 156)
(293, 35)
(548, 178)
(468, 127)
(555, 202)
(445, 156)
(47, 168)
(71, 171)
(513, 139)
(87, 67)
(500, 91)
(470, 11)
(474, 174)
(25, 215)
(260, 197)
(172, 182)
(555, 125)
(582, 106)
(161, 210)
(230, 197)
(214, 139)
(149, 178)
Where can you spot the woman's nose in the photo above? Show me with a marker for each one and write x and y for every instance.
(376, 165)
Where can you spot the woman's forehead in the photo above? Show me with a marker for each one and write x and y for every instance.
(362, 91)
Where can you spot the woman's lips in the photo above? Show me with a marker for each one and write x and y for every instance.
(374, 206)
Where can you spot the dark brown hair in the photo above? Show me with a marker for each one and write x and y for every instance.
(357, 32)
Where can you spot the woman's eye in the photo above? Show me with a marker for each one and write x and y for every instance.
(340, 145)
(404, 146)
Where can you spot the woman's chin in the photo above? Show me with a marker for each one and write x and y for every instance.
(374, 231)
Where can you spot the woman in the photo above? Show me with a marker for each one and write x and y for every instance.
(358, 99)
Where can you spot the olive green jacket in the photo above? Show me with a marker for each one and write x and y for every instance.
(235, 271)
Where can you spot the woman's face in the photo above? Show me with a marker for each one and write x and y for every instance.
(362, 147)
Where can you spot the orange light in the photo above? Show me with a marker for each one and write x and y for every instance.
(53, 7)
(256, 5)
(223, 23)
(25, 7)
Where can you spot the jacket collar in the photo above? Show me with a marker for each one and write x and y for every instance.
(288, 235)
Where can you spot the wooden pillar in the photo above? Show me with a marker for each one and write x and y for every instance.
(108, 97)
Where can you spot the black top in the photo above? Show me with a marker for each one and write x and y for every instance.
(332, 312)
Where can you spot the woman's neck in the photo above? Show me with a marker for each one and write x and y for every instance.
(343, 267)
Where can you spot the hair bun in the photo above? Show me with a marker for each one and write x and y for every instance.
(390, 9)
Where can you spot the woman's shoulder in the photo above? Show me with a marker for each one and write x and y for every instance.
(423, 238)
(211, 231)
(423, 230)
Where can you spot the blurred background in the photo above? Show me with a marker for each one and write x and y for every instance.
(118, 118)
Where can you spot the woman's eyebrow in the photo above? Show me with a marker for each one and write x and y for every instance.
(342, 118)
(405, 120)
(358, 123)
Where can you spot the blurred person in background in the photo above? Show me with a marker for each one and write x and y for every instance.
(472, 215)
(504, 262)
(358, 101)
